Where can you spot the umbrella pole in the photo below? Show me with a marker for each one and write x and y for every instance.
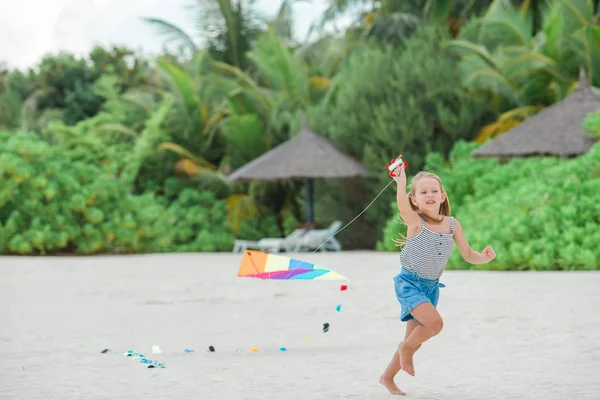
(309, 203)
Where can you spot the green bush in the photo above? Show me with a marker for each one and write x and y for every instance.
(591, 124)
(198, 223)
(258, 228)
(50, 203)
(537, 213)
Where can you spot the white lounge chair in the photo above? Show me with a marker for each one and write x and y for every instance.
(272, 245)
(316, 237)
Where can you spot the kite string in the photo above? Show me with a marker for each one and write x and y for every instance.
(342, 228)
(355, 218)
(326, 240)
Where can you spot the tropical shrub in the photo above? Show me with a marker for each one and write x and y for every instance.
(52, 203)
(259, 227)
(198, 223)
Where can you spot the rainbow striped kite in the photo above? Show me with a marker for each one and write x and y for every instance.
(256, 264)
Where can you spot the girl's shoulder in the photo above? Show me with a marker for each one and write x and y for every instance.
(454, 224)
(449, 221)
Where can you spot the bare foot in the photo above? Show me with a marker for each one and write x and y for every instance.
(390, 385)
(406, 358)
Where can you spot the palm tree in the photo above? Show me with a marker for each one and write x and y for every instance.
(521, 72)
(392, 20)
(227, 27)
(194, 116)
(248, 112)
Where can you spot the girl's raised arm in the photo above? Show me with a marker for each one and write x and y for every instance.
(409, 216)
(471, 256)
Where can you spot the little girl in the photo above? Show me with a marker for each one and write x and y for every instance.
(427, 248)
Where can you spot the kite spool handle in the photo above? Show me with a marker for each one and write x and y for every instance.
(395, 163)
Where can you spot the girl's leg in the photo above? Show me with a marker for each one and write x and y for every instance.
(387, 378)
(431, 325)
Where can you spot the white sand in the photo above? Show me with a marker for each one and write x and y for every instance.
(506, 335)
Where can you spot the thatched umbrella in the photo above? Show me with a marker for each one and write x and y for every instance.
(305, 156)
(556, 131)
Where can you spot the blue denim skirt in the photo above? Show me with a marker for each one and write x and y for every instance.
(412, 290)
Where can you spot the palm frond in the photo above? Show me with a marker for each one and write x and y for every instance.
(239, 208)
(519, 113)
(233, 71)
(118, 128)
(465, 48)
(173, 33)
(521, 67)
(581, 10)
(282, 23)
(233, 25)
(494, 82)
(184, 153)
(279, 67)
(187, 167)
(141, 98)
(182, 87)
(506, 24)
(436, 11)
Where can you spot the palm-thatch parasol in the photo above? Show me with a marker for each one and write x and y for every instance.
(556, 131)
(305, 156)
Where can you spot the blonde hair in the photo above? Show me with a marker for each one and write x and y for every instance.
(444, 207)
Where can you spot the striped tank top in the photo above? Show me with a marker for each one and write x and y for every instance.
(427, 253)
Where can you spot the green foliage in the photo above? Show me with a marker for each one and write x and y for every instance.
(14, 89)
(382, 104)
(51, 203)
(198, 223)
(591, 124)
(131, 154)
(174, 185)
(280, 70)
(417, 110)
(10, 108)
(129, 70)
(258, 228)
(144, 146)
(228, 28)
(537, 213)
(245, 139)
(514, 65)
(80, 103)
(65, 87)
(65, 83)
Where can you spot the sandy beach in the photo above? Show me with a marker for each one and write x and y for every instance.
(507, 335)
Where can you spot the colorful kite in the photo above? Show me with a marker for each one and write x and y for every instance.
(256, 264)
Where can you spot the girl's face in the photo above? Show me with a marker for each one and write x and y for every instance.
(428, 195)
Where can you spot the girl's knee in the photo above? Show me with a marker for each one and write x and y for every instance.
(436, 326)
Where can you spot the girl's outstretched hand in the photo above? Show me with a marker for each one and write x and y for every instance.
(488, 254)
(399, 174)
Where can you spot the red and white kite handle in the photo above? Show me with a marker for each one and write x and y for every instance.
(395, 163)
